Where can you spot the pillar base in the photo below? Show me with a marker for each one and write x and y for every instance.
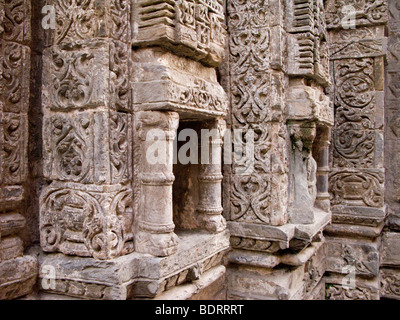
(134, 276)
(18, 276)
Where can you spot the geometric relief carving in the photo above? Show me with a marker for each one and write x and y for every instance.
(85, 221)
(357, 188)
(356, 49)
(308, 52)
(196, 28)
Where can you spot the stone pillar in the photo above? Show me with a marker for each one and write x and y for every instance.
(322, 145)
(210, 178)
(390, 248)
(357, 180)
(156, 134)
(177, 46)
(303, 173)
(18, 271)
(276, 74)
(86, 210)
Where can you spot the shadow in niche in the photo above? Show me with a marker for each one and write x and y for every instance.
(186, 186)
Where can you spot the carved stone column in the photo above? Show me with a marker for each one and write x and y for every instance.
(86, 210)
(357, 180)
(210, 178)
(390, 248)
(276, 75)
(156, 134)
(322, 145)
(18, 272)
(303, 173)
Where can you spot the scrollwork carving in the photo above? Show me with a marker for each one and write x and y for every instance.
(357, 187)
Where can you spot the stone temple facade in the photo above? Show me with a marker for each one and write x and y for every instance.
(309, 211)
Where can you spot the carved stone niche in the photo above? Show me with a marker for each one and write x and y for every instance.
(182, 85)
(197, 188)
(303, 184)
(194, 200)
(172, 199)
(310, 115)
(194, 28)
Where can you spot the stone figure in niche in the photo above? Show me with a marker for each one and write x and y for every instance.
(303, 186)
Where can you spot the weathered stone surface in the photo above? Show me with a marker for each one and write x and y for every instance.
(18, 276)
(86, 220)
(358, 44)
(133, 275)
(390, 252)
(390, 280)
(360, 256)
(190, 27)
(308, 90)
(83, 21)
(338, 288)
(181, 84)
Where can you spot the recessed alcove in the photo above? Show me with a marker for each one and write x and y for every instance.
(186, 186)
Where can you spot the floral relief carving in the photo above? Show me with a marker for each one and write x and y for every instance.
(14, 81)
(13, 148)
(74, 222)
(88, 19)
(367, 12)
(72, 77)
(250, 197)
(119, 149)
(16, 20)
(357, 188)
(68, 148)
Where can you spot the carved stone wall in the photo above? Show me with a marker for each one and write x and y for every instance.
(18, 271)
(292, 188)
(86, 209)
(277, 206)
(390, 273)
(114, 88)
(357, 179)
